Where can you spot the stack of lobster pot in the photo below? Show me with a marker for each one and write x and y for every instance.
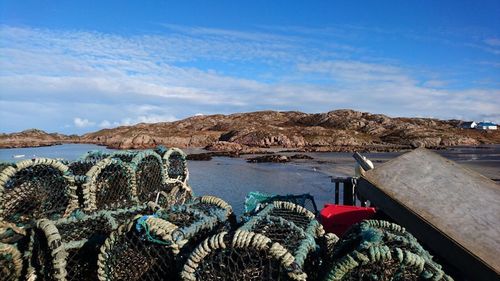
(30, 190)
(277, 243)
(67, 248)
(155, 246)
(55, 216)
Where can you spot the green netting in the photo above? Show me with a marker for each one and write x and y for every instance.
(94, 155)
(380, 250)
(110, 184)
(175, 164)
(153, 247)
(106, 187)
(255, 198)
(77, 241)
(266, 247)
(33, 189)
(149, 174)
(240, 256)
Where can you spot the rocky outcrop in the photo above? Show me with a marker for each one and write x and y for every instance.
(34, 138)
(301, 156)
(269, 159)
(199, 157)
(246, 133)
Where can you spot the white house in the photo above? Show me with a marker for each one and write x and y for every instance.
(486, 126)
(468, 125)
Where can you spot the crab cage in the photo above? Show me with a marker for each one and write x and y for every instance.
(381, 250)
(175, 164)
(149, 172)
(67, 248)
(255, 198)
(30, 190)
(109, 184)
(33, 189)
(154, 247)
(278, 243)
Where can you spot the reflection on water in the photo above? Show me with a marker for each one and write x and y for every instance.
(481, 153)
(232, 179)
(64, 151)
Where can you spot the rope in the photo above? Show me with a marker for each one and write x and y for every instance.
(57, 251)
(11, 262)
(184, 177)
(152, 225)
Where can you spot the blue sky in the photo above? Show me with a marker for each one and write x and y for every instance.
(79, 66)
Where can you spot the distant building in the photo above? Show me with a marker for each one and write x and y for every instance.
(468, 125)
(486, 126)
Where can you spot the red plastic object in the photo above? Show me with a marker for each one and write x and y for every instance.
(338, 218)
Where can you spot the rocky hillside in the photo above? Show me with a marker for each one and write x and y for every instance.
(334, 130)
(339, 130)
(34, 137)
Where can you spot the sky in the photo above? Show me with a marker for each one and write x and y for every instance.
(80, 66)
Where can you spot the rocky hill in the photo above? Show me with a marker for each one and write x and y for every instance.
(340, 130)
(34, 137)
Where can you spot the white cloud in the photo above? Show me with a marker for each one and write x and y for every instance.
(106, 124)
(152, 118)
(495, 42)
(82, 123)
(154, 78)
(435, 83)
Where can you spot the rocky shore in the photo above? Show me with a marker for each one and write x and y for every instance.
(257, 132)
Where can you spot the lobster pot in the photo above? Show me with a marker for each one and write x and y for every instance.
(380, 250)
(77, 241)
(174, 193)
(150, 175)
(241, 255)
(34, 189)
(124, 155)
(256, 198)
(109, 184)
(149, 172)
(214, 206)
(11, 263)
(79, 169)
(298, 215)
(153, 247)
(175, 163)
(266, 247)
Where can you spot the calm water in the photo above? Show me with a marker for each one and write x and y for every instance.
(232, 178)
(64, 151)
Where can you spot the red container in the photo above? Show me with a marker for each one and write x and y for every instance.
(338, 218)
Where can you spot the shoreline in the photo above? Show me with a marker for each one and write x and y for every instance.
(484, 158)
(247, 150)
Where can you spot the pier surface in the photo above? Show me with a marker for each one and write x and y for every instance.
(451, 209)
